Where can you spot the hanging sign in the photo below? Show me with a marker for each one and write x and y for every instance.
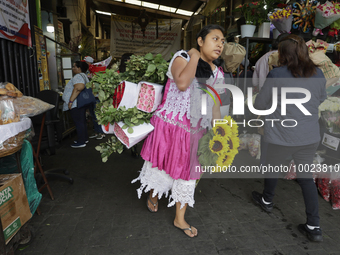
(15, 21)
(127, 37)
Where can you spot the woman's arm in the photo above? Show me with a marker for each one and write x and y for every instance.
(216, 112)
(77, 88)
(183, 71)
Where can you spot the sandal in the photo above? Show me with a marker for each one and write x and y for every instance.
(154, 205)
(184, 229)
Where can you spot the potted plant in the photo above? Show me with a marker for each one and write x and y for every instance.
(249, 12)
(266, 7)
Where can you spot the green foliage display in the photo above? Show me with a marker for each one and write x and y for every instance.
(147, 68)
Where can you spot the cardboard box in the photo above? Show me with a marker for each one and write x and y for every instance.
(14, 208)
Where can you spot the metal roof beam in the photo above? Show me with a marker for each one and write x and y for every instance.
(170, 14)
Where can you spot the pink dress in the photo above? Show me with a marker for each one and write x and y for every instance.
(179, 125)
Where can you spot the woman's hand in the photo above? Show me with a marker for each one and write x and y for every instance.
(70, 105)
(193, 52)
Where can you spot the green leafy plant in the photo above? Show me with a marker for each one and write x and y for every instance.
(147, 68)
(109, 147)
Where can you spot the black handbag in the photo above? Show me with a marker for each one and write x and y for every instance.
(85, 97)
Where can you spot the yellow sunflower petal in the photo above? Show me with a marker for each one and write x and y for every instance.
(225, 159)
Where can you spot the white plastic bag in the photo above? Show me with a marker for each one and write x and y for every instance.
(254, 145)
(244, 140)
(139, 133)
(149, 96)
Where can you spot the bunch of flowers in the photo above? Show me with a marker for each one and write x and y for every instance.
(118, 94)
(120, 134)
(219, 146)
(249, 11)
(146, 98)
(328, 9)
(282, 19)
(330, 114)
(330, 104)
(326, 14)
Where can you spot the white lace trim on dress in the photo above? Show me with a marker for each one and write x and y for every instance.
(158, 180)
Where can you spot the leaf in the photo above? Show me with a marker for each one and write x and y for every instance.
(130, 130)
(98, 148)
(124, 126)
(104, 159)
(149, 56)
(151, 68)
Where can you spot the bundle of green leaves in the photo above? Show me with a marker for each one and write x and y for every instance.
(139, 68)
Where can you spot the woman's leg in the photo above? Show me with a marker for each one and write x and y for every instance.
(180, 222)
(153, 201)
(79, 119)
(182, 193)
(304, 158)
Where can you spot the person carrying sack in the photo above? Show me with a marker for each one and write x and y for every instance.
(76, 98)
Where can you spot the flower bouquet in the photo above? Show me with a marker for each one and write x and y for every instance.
(282, 19)
(330, 114)
(150, 96)
(218, 146)
(335, 188)
(326, 14)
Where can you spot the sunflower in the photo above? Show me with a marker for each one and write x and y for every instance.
(222, 130)
(218, 145)
(234, 143)
(232, 124)
(225, 159)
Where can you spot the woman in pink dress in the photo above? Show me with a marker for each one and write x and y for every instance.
(170, 151)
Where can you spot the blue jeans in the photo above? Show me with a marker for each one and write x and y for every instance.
(97, 128)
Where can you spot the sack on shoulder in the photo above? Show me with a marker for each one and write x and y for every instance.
(232, 54)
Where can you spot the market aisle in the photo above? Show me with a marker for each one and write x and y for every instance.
(100, 214)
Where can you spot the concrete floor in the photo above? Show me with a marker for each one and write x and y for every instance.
(101, 214)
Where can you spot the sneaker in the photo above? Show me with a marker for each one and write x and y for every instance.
(78, 145)
(94, 135)
(257, 197)
(314, 235)
(100, 136)
(77, 142)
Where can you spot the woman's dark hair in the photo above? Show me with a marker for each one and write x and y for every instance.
(124, 59)
(206, 30)
(293, 53)
(280, 38)
(83, 66)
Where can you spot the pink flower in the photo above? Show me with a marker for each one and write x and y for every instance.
(144, 108)
(139, 105)
(142, 94)
(153, 93)
(146, 96)
(150, 86)
(149, 92)
(149, 109)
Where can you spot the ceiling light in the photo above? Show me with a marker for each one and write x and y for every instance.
(135, 2)
(184, 12)
(105, 13)
(150, 5)
(167, 9)
(49, 27)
